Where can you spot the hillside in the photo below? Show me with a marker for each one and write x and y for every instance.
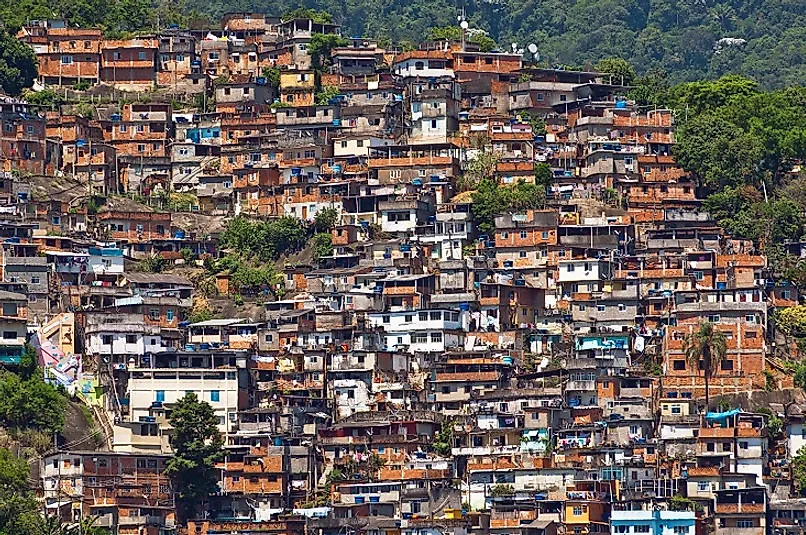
(689, 39)
(678, 36)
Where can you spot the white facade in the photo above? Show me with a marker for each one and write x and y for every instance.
(399, 220)
(582, 270)
(116, 343)
(218, 387)
(351, 395)
(422, 341)
(796, 437)
(104, 264)
(419, 320)
(357, 146)
(423, 68)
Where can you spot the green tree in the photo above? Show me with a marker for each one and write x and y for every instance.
(705, 349)
(153, 263)
(322, 245)
(488, 202)
(47, 98)
(326, 94)
(442, 443)
(325, 220)
(30, 404)
(318, 17)
(544, 175)
(526, 196)
(28, 362)
(272, 74)
(19, 513)
(17, 65)
(320, 48)
(198, 446)
(623, 73)
(799, 470)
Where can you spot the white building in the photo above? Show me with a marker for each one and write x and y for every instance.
(219, 378)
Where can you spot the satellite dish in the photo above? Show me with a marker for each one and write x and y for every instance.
(464, 25)
(514, 46)
(532, 48)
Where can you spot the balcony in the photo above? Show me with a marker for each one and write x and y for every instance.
(140, 520)
(582, 386)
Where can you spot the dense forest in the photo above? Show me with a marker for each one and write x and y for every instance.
(690, 39)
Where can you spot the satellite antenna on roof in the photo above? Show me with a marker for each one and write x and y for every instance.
(532, 48)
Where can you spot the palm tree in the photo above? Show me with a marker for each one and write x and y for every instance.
(705, 348)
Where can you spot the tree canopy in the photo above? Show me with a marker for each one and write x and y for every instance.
(761, 39)
(197, 446)
(17, 65)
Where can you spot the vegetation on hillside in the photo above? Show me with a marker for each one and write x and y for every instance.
(761, 39)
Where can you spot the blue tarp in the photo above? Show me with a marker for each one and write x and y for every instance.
(722, 415)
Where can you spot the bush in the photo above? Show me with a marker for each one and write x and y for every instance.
(31, 404)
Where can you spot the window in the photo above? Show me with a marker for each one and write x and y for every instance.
(106, 339)
(131, 338)
(641, 528)
(698, 275)
(141, 148)
(750, 318)
(563, 98)
(9, 335)
(433, 124)
(622, 529)
(141, 56)
(169, 315)
(726, 446)
(726, 365)
(744, 523)
(524, 234)
(679, 365)
(601, 308)
(160, 396)
(154, 314)
(436, 316)
(578, 510)
(582, 308)
(743, 445)
(386, 319)
(522, 254)
(421, 338)
(680, 530)
(141, 128)
(67, 60)
(215, 395)
(570, 268)
(436, 338)
(123, 128)
(622, 307)
(714, 318)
